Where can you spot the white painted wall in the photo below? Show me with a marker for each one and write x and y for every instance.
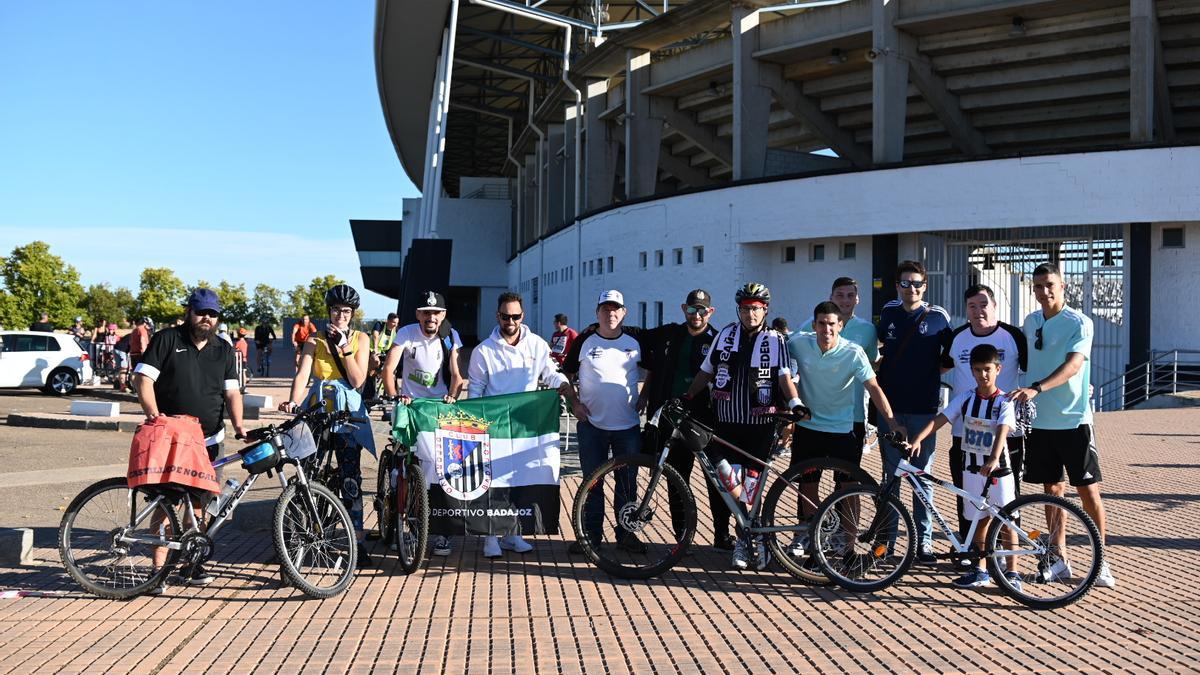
(1175, 278)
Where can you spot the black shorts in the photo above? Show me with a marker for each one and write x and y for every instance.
(756, 439)
(810, 444)
(1049, 451)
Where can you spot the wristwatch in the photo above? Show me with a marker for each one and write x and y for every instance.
(1036, 386)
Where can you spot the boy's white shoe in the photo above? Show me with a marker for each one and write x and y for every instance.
(1105, 578)
(491, 547)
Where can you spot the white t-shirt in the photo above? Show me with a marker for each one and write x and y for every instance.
(500, 368)
(421, 361)
(608, 378)
(1007, 339)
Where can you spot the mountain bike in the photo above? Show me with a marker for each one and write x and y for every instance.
(865, 543)
(110, 531)
(402, 504)
(634, 493)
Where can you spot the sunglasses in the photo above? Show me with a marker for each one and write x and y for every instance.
(1037, 344)
(911, 283)
(347, 311)
(212, 314)
(702, 311)
(510, 317)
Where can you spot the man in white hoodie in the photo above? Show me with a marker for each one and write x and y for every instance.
(513, 359)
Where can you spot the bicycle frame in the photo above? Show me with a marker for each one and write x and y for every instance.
(915, 478)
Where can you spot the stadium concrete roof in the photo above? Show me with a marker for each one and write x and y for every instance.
(987, 77)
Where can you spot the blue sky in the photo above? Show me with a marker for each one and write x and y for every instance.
(223, 139)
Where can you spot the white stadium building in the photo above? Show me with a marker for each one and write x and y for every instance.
(654, 146)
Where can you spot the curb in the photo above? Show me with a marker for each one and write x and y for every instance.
(18, 420)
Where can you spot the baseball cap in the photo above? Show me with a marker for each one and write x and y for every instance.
(203, 298)
(699, 298)
(614, 297)
(433, 301)
(242, 331)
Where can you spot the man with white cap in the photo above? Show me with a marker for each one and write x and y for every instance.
(606, 361)
(511, 360)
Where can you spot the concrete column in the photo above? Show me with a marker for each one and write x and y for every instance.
(643, 133)
(568, 165)
(555, 188)
(889, 84)
(600, 152)
(529, 226)
(751, 97)
(1143, 44)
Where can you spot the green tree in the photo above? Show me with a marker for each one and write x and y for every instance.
(235, 305)
(8, 311)
(267, 304)
(39, 281)
(102, 303)
(160, 295)
(311, 299)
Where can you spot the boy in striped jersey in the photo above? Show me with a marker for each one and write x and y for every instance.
(986, 415)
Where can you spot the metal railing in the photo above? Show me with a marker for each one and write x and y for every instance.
(489, 191)
(1166, 372)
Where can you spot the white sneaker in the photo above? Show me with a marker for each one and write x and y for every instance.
(799, 543)
(741, 560)
(1105, 578)
(515, 542)
(491, 547)
(1057, 570)
(762, 554)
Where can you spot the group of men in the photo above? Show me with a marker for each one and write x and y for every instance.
(733, 378)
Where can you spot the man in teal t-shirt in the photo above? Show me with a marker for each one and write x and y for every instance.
(1059, 377)
(859, 331)
(829, 369)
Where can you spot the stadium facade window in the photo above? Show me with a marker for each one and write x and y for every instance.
(610, 264)
(658, 258)
(816, 252)
(789, 254)
(849, 250)
(642, 314)
(1172, 237)
(678, 256)
(698, 254)
(658, 313)
(642, 260)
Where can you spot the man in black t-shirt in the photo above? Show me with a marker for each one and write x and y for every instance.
(188, 371)
(264, 335)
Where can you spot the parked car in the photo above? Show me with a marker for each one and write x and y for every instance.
(55, 362)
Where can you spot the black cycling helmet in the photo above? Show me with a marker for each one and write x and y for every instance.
(754, 291)
(342, 295)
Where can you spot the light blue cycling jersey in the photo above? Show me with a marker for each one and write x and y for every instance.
(829, 381)
(1070, 331)
(862, 333)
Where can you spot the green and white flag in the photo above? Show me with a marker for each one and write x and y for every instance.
(491, 463)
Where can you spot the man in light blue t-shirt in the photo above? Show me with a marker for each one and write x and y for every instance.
(859, 331)
(1059, 377)
(829, 368)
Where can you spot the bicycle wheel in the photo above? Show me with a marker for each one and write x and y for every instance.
(412, 519)
(614, 535)
(791, 504)
(1051, 559)
(385, 500)
(89, 545)
(863, 541)
(314, 541)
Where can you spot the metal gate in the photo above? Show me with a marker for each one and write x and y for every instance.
(1092, 261)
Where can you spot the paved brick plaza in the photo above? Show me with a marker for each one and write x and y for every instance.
(548, 612)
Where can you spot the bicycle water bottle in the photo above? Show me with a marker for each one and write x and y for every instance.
(731, 478)
(215, 506)
(750, 486)
(394, 478)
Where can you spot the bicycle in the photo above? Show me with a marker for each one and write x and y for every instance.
(402, 504)
(864, 539)
(110, 531)
(656, 545)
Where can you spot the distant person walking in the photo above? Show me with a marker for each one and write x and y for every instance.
(264, 338)
(139, 340)
(562, 339)
(300, 334)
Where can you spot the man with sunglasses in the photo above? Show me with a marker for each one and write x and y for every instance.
(511, 360)
(672, 357)
(186, 370)
(1059, 378)
(912, 331)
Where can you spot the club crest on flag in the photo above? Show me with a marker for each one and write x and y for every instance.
(464, 455)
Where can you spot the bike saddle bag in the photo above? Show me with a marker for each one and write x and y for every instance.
(260, 458)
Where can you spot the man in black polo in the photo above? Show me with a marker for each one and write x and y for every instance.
(672, 356)
(187, 371)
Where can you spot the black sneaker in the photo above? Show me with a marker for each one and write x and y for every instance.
(364, 558)
(631, 543)
(160, 589)
(577, 549)
(200, 577)
(725, 543)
